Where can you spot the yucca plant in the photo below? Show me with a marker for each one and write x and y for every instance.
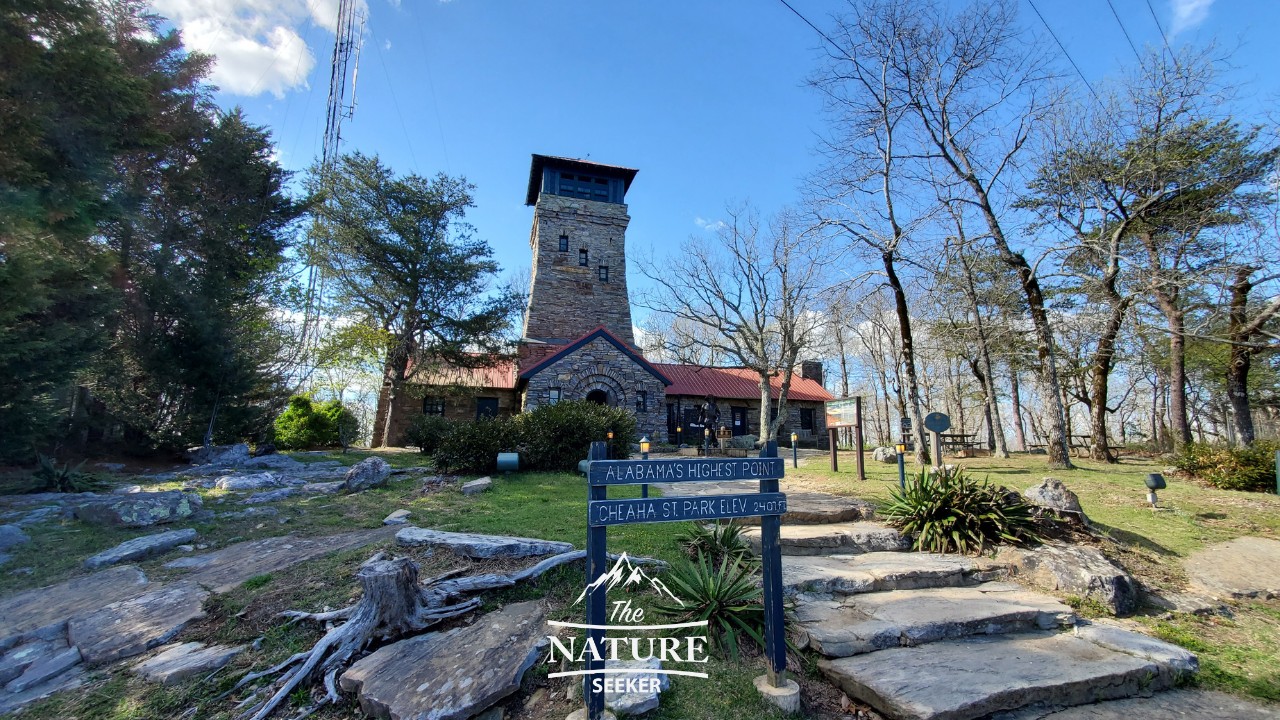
(716, 541)
(726, 595)
(953, 512)
(65, 479)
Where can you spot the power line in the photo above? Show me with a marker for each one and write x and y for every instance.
(815, 27)
(1133, 47)
(1163, 37)
(396, 104)
(1065, 54)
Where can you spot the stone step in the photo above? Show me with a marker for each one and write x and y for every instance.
(818, 508)
(974, 677)
(882, 571)
(864, 623)
(847, 538)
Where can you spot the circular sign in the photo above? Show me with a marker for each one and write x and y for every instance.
(937, 422)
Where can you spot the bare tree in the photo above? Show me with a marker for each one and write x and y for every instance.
(749, 295)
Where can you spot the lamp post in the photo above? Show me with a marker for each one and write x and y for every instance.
(706, 441)
(679, 435)
(644, 455)
(609, 446)
(902, 468)
(795, 452)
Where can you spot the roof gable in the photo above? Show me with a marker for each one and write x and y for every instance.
(599, 333)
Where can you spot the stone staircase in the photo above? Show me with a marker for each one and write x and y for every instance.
(921, 636)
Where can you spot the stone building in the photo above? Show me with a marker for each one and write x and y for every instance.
(578, 342)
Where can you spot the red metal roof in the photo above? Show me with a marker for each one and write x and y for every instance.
(735, 383)
(501, 376)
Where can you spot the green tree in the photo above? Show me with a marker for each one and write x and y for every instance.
(408, 267)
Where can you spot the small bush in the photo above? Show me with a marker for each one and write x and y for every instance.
(66, 479)
(743, 442)
(1249, 468)
(952, 512)
(426, 432)
(716, 541)
(304, 424)
(556, 437)
(725, 594)
(473, 447)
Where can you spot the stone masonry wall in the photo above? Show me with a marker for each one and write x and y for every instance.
(599, 365)
(817, 437)
(459, 404)
(567, 300)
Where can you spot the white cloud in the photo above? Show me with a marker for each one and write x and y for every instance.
(386, 45)
(710, 225)
(258, 43)
(1188, 13)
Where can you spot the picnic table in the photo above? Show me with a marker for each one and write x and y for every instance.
(958, 441)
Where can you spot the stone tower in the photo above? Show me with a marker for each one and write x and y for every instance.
(579, 277)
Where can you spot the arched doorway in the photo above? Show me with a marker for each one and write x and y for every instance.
(599, 397)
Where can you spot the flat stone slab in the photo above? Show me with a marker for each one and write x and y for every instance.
(32, 610)
(142, 509)
(141, 548)
(223, 570)
(12, 536)
(131, 627)
(875, 621)
(1078, 569)
(398, 517)
(475, 487)
(1171, 705)
(849, 538)
(67, 680)
(479, 546)
(178, 662)
(640, 701)
(977, 676)
(452, 675)
(880, 571)
(816, 508)
(1244, 567)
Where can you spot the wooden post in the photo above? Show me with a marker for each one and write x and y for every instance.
(937, 449)
(857, 438)
(775, 641)
(596, 565)
(833, 437)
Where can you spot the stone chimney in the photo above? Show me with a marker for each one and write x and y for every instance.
(812, 370)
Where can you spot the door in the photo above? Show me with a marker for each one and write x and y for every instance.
(486, 407)
(738, 416)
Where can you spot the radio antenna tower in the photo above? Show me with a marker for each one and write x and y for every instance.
(347, 43)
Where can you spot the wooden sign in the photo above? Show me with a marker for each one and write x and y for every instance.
(675, 509)
(641, 472)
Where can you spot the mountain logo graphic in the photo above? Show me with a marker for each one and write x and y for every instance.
(627, 574)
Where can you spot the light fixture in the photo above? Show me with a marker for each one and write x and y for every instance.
(902, 448)
(610, 434)
(644, 444)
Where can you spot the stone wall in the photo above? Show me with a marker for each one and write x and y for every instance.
(817, 437)
(459, 404)
(600, 365)
(567, 300)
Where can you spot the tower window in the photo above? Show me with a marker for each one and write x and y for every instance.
(553, 396)
(582, 257)
(564, 243)
(586, 187)
(604, 273)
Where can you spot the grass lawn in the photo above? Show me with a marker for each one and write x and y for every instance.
(1238, 655)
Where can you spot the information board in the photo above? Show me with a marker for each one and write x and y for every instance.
(676, 509)
(639, 472)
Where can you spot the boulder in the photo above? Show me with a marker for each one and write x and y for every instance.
(142, 509)
(399, 517)
(323, 488)
(44, 669)
(12, 536)
(16, 661)
(638, 702)
(1075, 569)
(1054, 498)
(271, 496)
(479, 546)
(219, 455)
(264, 449)
(274, 462)
(246, 482)
(131, 627)
(475, 487)
(885, 455)
(141, 548)
(370, 472)
(451, 675)
(178, 662)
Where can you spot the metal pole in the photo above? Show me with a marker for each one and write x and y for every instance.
(937, 450)
(1278, 472)
(644, 489)
(596, 566)
(775, 641)
(902, 472)
(795, 455)
(857, 438)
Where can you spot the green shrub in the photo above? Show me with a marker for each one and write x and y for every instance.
(473, 447)
(304, 424)
(66, 479)
(952, 512)
(1251, 468)
(743, 442)
(426, 432)
(725, 594)
(556, 437)
(716, 541)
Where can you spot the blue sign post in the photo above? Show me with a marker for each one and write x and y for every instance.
(602, 512)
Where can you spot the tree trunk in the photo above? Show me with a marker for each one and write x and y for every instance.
(766, 431)
(1099, 381)
(1015, 393)
(1241, 357)
(1175, 323)
(908, 359)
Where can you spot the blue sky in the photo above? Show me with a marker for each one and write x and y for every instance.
(707, 99)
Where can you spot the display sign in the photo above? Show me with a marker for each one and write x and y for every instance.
(676, 509)
(937, 422)
(641, 472)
